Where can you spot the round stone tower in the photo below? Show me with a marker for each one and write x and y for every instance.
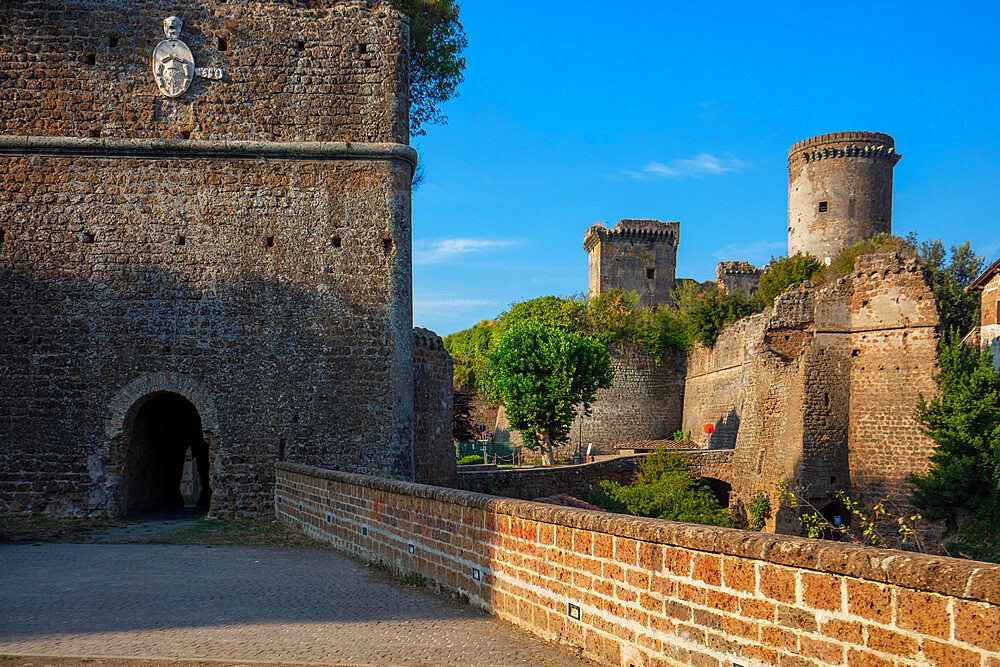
(839, 191)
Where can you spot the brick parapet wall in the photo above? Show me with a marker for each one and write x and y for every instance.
(645, 592)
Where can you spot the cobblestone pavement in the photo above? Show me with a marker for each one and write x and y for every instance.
(242, 604)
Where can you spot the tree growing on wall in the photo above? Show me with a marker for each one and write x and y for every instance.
(436, 63)
(541, 374)
(962, 485)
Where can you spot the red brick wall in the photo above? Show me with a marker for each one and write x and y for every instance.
(655, 592)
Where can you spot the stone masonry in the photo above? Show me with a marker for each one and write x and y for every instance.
(643, 403)
(839, 191)
(821, 389)
(228, 269)
(739, 276)
(433, 445)
(636, 255)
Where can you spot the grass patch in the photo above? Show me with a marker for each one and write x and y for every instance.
(417, 580)
(241, 532)
(52, 529)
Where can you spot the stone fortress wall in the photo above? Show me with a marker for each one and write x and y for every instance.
(433, 445)
(839, 191)
(636, 255)
(821, 389)
(239, 254)
(643, 403)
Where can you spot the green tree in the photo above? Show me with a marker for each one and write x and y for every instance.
(566, 314)
(962, 484)
(436, 63)
(958, 309)
(663, 489)
(541, 374)
(469, 350)
(783, 272)
(843, 263)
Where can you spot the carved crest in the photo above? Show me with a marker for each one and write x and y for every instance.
(173, 62)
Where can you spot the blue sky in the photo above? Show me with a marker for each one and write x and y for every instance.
(584, 112)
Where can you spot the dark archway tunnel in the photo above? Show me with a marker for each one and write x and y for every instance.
(163, 428)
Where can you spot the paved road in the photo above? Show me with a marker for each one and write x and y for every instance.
(240, 603)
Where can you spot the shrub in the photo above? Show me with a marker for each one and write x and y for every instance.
(758, 511)
(783, 272)
(470, 460)
(681, 436)
(962, 484)
(663, 489)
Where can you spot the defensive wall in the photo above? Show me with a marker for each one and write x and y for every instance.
(635, 592)
(234, 259)
(821, 389)
(643, 403)
(433, 445)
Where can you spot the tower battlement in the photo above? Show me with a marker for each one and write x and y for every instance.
(636, 255)
(839, 190)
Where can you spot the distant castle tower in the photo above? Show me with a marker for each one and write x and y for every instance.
(637, 255)
(839, 191)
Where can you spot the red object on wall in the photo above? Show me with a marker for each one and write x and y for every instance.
(709, 428)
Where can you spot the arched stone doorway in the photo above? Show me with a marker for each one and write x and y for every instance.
(159, 429)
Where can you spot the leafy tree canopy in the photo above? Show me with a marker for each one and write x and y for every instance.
(437, 40)
(541, 374)
(963, 482)
(713, 310)
(958, 309)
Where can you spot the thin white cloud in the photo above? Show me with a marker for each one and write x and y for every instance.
(703, 164)
(428, 251)
(755, 252)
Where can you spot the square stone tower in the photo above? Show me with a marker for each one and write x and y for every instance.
(205, 243)
(637, 255)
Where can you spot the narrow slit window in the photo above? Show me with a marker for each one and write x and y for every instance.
(362, 48)
(387, 245)
(650, 274)
(3, 235)
(335, 241)
(91, 58)
(300, 46)
(997, 311)
(822, 207)
(95, 134)
(222, 44)
(113, 42)
(88, 237)
(268, 241)
(180, 240)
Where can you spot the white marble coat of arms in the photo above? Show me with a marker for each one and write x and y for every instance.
(173, 62)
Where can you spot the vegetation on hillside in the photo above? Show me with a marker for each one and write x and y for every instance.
(437, 40)
(615, 317)
(663, 489)
(541, 374)
(962, 485)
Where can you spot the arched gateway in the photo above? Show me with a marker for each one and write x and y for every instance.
(159, 431)
(154, 420)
